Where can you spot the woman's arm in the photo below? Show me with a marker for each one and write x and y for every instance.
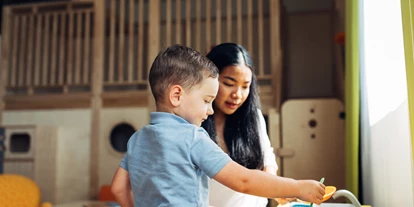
(121, 188)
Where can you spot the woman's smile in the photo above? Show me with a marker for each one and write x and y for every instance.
(232, 105)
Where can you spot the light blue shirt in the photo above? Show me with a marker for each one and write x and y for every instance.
(169, 160)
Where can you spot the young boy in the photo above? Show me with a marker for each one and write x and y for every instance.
(168, 161)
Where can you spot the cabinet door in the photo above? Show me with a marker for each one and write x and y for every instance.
(313, 133)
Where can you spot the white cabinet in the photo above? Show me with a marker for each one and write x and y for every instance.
(31, 150)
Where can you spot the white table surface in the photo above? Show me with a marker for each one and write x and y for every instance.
(324, 205)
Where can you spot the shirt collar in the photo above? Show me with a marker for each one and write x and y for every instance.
(164, 117)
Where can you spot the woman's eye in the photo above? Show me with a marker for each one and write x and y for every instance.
(245, 87)
(228, 84)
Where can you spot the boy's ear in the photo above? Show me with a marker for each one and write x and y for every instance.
(175, 94)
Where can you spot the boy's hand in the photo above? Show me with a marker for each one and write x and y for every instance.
(311, 191)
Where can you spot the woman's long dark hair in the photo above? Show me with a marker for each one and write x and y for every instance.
(241, 132)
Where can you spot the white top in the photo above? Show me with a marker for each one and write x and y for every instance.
(222, 196)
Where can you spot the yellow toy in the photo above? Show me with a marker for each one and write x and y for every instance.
(19, 191)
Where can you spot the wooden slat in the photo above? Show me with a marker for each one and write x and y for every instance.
(239, 22)
(250, 26)
(54, 50)
(188, 22)
(229, 19)
(62, 41)
(5, 56)
(13, 70)
(260, 36)
(131, 21)
(38, 47)
(153, 41)
(29, 69)
(218, 22)
(86, 48)
(178, 22)
(168, 33)
(96, 100)
(78, 50)
(22, 53)
(198, 26)
(111, 52)
(69, 69)
(276, 53)
(121, 45)
(140, 41)
(46, 54)
(208, 25)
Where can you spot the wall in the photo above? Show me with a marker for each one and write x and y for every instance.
(309, 55)
(73, 147)
(308, 50)
(109, 159)
(74, 144)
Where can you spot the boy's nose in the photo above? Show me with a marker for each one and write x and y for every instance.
(210, 111)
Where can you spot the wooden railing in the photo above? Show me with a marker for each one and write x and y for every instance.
(203, 24)
(126, 45)
(49, 48)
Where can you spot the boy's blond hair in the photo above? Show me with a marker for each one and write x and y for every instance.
(179, 65)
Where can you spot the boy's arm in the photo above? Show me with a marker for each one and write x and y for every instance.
(121, 188)
(259, 183)
(270, 169)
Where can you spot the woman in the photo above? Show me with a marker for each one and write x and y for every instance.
(237, 124)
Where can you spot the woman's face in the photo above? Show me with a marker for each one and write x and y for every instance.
(234, 88)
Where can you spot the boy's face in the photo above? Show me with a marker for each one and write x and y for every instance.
(196, 104)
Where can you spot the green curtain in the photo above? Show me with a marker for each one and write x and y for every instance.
(407, 9)
(352, 95)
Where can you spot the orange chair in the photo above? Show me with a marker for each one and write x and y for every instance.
(17, 190)
(105, 194)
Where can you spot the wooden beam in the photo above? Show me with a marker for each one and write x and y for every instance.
(56, 101)
(276, 53)
(125, 99)
(5, 57)
(96, 100)
(76, 100)
(153, 41)
(49, 4)
(188, 23)
(276, 72)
